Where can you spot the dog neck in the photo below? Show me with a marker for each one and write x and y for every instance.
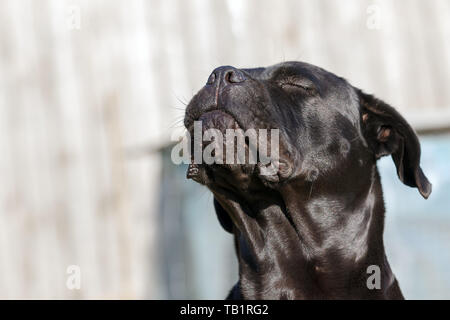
(311, 241)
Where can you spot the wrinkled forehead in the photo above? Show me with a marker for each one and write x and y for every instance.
(292, 68)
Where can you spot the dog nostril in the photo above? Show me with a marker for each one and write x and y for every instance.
(212, 78)
(228, 76)
(234, 76)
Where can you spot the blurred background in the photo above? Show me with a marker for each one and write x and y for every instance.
(92, 93)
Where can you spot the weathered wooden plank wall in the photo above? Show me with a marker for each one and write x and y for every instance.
(80, 104)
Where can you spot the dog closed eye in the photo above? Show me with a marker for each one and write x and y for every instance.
(296, 83)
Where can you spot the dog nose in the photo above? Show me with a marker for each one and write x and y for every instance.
(226, 75)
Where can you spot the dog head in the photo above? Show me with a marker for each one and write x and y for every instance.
(328, 130)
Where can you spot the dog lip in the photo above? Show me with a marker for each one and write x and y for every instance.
(211, 110)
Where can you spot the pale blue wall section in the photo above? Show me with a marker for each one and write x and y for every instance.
(417, 231)
(197, 259)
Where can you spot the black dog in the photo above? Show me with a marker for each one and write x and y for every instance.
(311, 230)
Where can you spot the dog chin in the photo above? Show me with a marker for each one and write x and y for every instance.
(205, 172)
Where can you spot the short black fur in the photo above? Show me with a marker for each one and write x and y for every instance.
(311, 230)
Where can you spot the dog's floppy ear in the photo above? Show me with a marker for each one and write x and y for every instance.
(224, 218)
(388, 133)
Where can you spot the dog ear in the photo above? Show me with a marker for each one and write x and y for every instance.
(388, 133)
(224, 218)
